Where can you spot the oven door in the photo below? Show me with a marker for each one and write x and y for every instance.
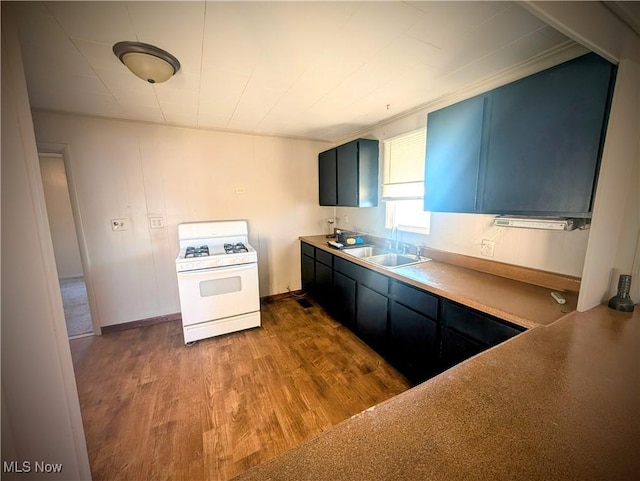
(218, 293)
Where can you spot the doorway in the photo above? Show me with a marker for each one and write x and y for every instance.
(71, 277)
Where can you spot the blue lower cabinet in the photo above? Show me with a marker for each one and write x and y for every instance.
(344, 289)
(456, 348)
(419, 333)
(413, 342)
(467, 332)
(371, 318)
(308, 272)
(324, 284)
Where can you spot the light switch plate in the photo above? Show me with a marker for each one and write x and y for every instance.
(156, 222)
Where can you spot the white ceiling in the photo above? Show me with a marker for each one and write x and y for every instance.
(320, 70)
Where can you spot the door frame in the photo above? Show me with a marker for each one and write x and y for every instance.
(50, 148)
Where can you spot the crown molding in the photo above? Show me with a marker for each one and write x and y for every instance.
(562, 53)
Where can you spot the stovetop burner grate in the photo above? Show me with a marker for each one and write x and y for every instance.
(192, 251)
(236, 248)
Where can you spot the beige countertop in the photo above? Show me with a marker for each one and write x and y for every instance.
(559, 402)
(518, 302)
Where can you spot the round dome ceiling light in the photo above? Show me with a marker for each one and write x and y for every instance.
(147, 62)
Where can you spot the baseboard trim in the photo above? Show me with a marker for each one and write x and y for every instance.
(141, 323)
(178, 316)
(281, 296)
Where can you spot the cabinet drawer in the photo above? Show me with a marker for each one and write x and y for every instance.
(347, 268)
(307, 250)
(371, 279)
(375, 281)
(416, 299)
(481, 327)
(324, 257)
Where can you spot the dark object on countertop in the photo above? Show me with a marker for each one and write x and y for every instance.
(621, 301)
(350, 238)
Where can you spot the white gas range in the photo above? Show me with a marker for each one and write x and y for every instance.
(217, 273)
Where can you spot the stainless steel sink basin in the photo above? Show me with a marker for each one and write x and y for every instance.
(393, 260)
(383, 257)
(368, 251)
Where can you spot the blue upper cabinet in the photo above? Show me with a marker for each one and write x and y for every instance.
(452, 165)
(348, 174)
(537, 150)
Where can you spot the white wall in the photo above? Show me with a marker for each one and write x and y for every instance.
(616, 220)
(40, 410)
(135, 171)
(561, 252)
(60, 215)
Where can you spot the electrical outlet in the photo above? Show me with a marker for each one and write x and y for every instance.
(156, 222)
(118, 224)
(486, 248)
(346, 219)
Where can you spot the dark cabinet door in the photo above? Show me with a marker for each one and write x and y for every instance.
(371, 317)
(345, 299)
(324, 284)
(466, 332)
(452, 164)
(328, 187)
(348, 175)
(545, 139)
(457, 348)
(481, 327)
(413, 346)
(308, 268)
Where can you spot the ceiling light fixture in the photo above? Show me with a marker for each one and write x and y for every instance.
(147, 62)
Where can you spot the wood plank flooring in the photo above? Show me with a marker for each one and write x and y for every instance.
(156, 409)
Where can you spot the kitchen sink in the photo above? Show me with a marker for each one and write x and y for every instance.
(383, 257)
(367, 251)
(393, 260)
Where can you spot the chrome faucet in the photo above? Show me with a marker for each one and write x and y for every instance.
(394, 236)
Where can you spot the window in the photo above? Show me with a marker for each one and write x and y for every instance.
(403, 182)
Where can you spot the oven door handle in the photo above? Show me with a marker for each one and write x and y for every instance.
(221, 270)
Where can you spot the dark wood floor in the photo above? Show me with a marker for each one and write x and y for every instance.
(155, 409)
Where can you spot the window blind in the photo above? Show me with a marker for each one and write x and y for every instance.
(404, 166)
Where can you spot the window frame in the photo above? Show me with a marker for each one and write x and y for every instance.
(395, 195)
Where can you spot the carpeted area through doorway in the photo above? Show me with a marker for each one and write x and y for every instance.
(76, 306)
